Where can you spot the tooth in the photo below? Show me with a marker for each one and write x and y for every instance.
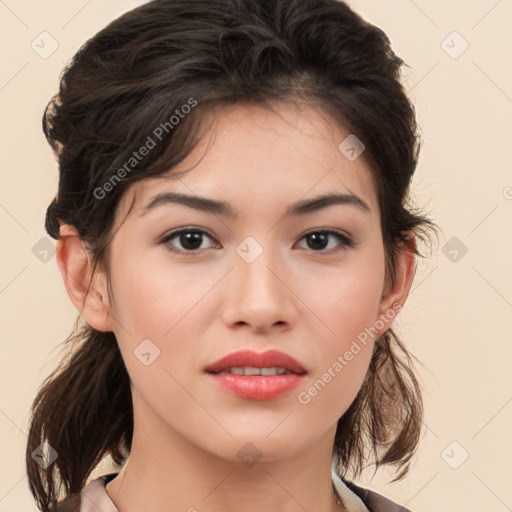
(251, 370)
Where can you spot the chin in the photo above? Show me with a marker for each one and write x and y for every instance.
(250, 450)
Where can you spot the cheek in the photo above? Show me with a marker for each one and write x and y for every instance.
(342, 364)
(347, 301)
(153, 299)
(348, 309)
(166, 308)
(152, 318)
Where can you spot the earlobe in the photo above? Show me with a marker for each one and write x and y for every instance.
(394, 298)
(75, 264)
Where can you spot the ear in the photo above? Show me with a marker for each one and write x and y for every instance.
(395, 294)
(75, 264)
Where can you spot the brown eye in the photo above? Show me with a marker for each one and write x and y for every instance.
(190, 239)
(318, 241)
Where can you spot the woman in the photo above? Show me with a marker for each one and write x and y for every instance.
(232, 222)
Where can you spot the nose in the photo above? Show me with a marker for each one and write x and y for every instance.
(260, 295)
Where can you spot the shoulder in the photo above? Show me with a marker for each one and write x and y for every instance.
(93, 497)
(375, 501)
(69, 504)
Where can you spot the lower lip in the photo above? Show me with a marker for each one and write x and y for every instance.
(257, 387)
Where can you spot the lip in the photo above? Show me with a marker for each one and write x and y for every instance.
(257, 387)
(267, 359)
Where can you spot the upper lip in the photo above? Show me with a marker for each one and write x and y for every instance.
(268, 359)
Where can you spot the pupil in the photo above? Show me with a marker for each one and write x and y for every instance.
(316, 237)
(191, 240)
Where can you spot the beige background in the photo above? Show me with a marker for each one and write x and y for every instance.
(458, 317)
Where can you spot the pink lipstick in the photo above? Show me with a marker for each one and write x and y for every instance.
(257, 376)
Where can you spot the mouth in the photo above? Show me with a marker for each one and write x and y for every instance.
(257, 376)
(252, 370)
(249, 363)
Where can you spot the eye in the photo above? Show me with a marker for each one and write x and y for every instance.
(191, 239)
(318, 240)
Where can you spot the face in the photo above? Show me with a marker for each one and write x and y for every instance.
(306, 283)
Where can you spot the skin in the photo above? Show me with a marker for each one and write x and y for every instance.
(308, 301)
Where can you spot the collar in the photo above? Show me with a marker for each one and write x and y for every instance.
(95, 497)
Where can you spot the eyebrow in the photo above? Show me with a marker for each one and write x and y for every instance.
(302, 207)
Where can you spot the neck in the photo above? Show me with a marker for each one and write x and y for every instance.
(165, 469)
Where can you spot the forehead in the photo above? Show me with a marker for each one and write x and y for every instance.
(252, 156)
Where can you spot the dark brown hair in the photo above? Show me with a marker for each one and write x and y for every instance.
(131, 78)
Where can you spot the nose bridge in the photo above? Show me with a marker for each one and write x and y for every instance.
(257, 275)
(258, 294)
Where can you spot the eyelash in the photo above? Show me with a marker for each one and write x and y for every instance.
(346, 242)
